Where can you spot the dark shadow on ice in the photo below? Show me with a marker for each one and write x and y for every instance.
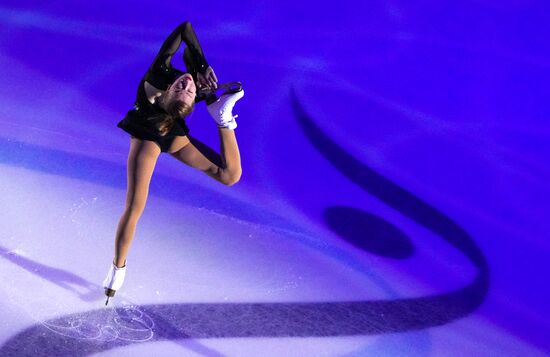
(84, 289)
(369, 232)
(436, 308)
(95, 331)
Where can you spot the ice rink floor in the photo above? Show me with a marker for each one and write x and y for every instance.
(394, 198)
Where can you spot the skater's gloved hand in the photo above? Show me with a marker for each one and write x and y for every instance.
(207, 79)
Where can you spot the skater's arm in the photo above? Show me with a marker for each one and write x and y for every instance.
(224, 167)
(185, 33)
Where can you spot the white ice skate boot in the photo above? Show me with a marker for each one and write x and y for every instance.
(222, 109)
(113, 281)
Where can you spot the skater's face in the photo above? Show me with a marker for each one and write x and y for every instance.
(183, 89)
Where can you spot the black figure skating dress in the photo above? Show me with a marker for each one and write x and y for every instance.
(140, 121)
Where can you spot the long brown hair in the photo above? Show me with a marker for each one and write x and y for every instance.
(175, 110)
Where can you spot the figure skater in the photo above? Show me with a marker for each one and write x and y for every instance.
(156, 124)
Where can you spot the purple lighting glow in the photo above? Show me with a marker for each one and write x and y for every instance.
(393, 202)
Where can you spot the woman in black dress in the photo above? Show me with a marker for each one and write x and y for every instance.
(157, 124)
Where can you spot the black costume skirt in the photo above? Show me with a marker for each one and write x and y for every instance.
(136, 126)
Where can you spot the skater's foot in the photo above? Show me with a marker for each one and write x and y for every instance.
(113, 281)
(222, 109)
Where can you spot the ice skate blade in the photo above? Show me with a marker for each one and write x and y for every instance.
(225, 88)
(211, 95)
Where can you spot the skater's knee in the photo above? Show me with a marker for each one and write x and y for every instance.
(232, 178)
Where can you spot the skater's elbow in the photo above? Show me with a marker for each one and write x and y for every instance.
(186, 26)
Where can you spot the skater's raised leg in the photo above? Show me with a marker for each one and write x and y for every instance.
(225, 167)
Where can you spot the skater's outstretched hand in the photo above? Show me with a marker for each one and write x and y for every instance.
(208, 80)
